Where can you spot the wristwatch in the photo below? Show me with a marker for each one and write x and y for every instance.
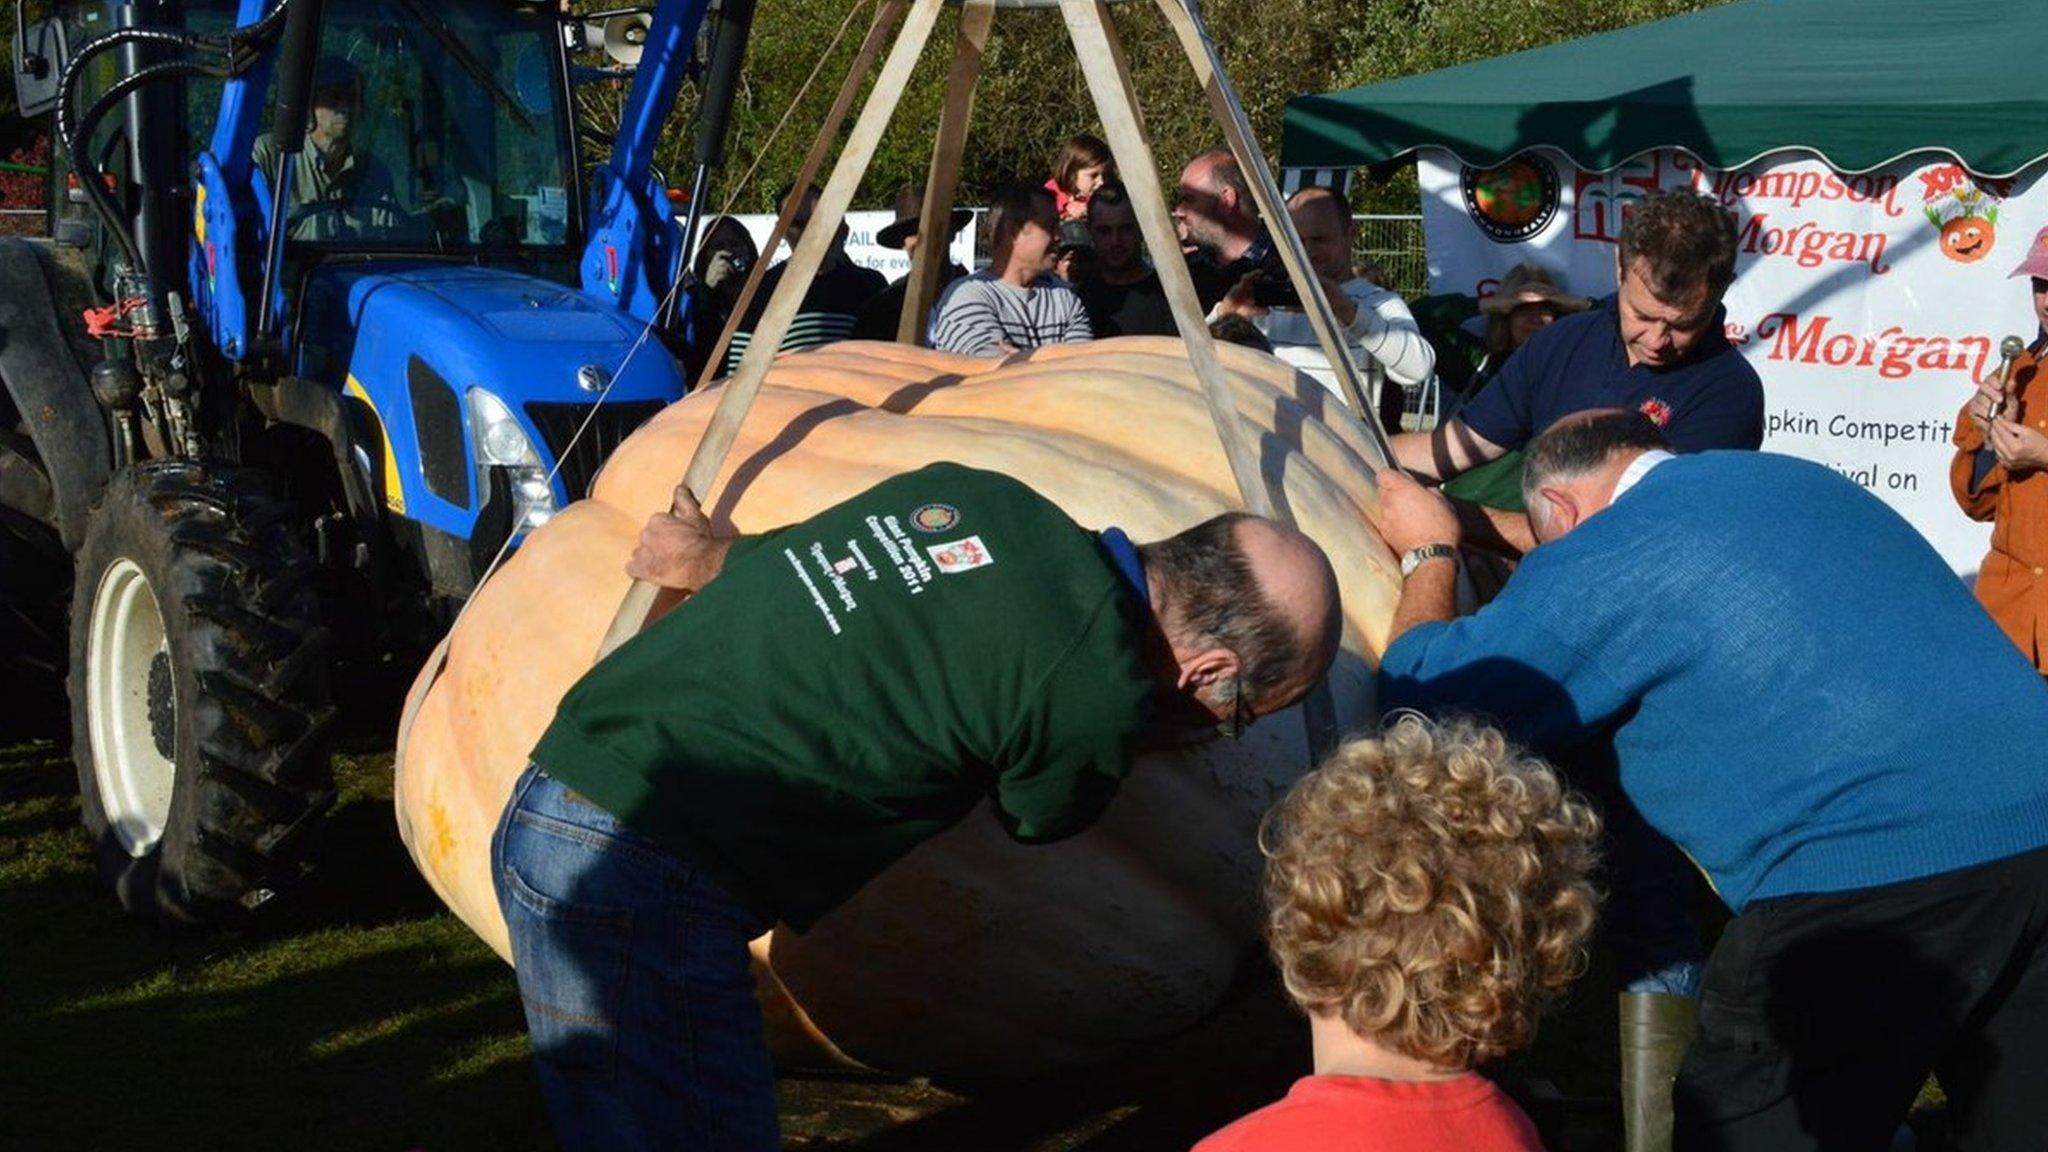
(1417, 557)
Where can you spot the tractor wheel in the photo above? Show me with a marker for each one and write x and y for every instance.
(198, 692)
(35, 590)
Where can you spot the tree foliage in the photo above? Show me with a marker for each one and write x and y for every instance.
(1032, 96)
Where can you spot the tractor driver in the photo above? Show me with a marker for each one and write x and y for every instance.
(330, 169)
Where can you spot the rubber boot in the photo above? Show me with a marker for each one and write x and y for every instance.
(1656, 1028)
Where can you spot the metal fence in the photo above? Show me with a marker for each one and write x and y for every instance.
(1394, 245)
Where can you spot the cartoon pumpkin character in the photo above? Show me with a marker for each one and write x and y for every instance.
(1968, 239)
(1968, 220)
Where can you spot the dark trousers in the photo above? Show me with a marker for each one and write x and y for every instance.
(1820, 1016)
(1647, 919)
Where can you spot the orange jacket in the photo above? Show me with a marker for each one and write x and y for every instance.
(2011, 580)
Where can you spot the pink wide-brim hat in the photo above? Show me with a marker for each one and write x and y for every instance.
(2036, 263)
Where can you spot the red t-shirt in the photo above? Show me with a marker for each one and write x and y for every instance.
(1060, 199)
(1361, 1114)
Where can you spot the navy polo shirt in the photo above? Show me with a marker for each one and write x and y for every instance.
(1711, 400)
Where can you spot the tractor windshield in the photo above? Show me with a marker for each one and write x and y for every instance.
(434, 125)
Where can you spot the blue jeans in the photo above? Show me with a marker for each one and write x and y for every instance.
(634, 973)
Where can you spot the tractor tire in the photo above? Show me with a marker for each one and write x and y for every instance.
(199, 702)
(35, 592)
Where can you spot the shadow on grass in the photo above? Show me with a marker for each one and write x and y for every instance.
(1165, 1096)
(411, 1041)
(363, 875)
(360, 1017)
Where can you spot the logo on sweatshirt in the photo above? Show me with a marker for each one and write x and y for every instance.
(1658, 411)
(934, 517)
(960, 555)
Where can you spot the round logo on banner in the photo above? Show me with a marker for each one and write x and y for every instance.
(1512, 201)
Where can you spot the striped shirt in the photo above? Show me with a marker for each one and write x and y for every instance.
(829, 309)
(1383, 330)
(977, 314)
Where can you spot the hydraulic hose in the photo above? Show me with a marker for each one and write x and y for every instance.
(240, 50)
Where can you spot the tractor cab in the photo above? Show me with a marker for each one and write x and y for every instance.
(444, 132)
(420, 252)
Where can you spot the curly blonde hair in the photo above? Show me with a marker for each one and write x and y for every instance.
(1432, 888)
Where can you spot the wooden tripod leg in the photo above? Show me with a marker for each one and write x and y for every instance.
(936, 216)
(1201, 51)
(886, 15)
(1102, 62)
(1110, 85)
(818, 237)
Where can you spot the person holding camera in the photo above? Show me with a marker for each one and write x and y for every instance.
(830, 305)
(717, 276)
(1376, 322)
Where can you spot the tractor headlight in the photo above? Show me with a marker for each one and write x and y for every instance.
(501, 442)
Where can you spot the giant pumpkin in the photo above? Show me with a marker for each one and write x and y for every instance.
(973, 957)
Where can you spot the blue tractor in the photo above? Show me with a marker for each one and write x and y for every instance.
(326, 318)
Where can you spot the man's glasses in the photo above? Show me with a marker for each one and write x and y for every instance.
(1241, 715)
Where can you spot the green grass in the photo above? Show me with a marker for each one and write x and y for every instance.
(363, 1017)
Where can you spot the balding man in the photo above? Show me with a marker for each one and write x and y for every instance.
(1218, 221)
(1375, 322)
(1783, 662)
(833, 694)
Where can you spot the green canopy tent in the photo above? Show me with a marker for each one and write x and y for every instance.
(1856, 82)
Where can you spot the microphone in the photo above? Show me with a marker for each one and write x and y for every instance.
(2009, 350)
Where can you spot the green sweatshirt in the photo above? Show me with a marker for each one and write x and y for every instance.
(853, 685)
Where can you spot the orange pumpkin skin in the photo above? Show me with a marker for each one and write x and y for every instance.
(973, 957)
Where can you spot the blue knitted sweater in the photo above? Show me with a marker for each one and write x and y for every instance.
(1804, 698)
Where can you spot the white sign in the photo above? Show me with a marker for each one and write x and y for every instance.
(1869, 304)
(860, 241)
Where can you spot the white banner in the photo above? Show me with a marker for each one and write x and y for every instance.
(860, 241)
(1869, 304)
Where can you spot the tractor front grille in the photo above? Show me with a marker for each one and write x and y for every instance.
(614, 422)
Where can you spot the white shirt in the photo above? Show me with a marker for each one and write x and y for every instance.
(1383, 330)
(1636, 470)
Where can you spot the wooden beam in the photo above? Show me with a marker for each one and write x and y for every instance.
(1110, 84)
(942, 182)
(1186, 22)
(887, 13)
(818, 237)
(1319, 708)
